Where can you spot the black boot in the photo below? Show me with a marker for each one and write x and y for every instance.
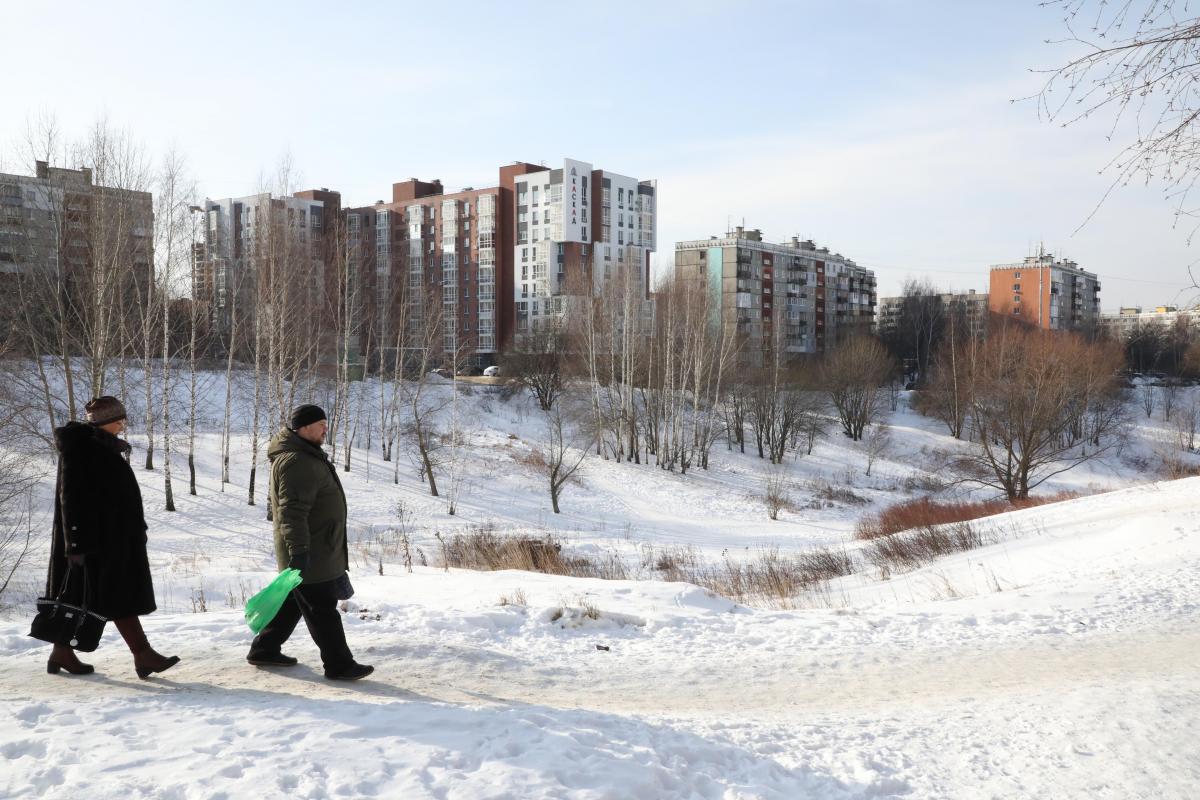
(271, 660)
(351, 673)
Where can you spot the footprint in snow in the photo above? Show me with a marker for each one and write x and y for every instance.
(32, 714)
(15, 750)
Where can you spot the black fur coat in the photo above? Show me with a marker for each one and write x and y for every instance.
(98, 514)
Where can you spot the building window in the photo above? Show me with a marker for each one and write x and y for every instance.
(1016, 298)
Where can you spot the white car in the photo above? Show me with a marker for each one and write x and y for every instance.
(491, 372)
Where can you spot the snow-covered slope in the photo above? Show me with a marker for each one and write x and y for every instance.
(1062, 661)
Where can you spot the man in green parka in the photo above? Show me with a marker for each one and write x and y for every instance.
(308, 508)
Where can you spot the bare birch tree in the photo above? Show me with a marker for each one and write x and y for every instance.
(560, 455)
(174, 255)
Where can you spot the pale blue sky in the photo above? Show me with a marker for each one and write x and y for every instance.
(883, 130)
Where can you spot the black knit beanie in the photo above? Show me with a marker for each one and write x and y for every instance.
(306, 415)
(104, 410)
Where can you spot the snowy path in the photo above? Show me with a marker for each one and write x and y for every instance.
(756, 685)
(1113, 712)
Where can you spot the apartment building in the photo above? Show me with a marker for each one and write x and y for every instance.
(497, 261)
(575, 229)
(265, 251)
(1128, 320)
(429, 252)
(60, 223)
(1053, 294)
(968, 309)
(796, 294)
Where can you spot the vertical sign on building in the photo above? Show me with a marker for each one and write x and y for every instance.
(575, 204)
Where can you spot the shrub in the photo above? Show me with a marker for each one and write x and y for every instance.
(776, 497)
(768, 579)
(532, 459)
(922, 482)
(923, 513)
(825, 490)
(485, 550)
(1174, 466)
(899, 552)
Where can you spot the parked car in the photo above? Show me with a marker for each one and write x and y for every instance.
(491, 372)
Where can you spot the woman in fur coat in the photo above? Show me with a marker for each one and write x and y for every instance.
(100, 532)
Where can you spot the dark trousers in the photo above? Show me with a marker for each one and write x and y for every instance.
(317, 603)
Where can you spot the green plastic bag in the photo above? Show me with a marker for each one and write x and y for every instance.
(263, 607)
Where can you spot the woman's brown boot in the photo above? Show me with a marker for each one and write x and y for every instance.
(64, 657)
(145, 659)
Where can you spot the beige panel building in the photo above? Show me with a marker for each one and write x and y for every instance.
(799, 295)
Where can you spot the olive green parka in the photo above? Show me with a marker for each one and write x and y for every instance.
(308, 508)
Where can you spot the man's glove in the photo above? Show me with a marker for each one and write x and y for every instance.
(298, 561)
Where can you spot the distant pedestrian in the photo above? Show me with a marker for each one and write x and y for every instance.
(100, 533)
(308, 509)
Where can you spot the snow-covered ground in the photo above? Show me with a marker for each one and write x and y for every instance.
(1062, 661)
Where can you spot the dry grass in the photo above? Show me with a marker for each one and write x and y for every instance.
(824, 490)
(899, 552)
(768, 579)
(514, 598)
(532, 459)
(483, 549)
(1175, 466)
(924, 513)
(673, 564)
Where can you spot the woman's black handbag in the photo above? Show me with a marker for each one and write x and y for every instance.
(60, 622)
